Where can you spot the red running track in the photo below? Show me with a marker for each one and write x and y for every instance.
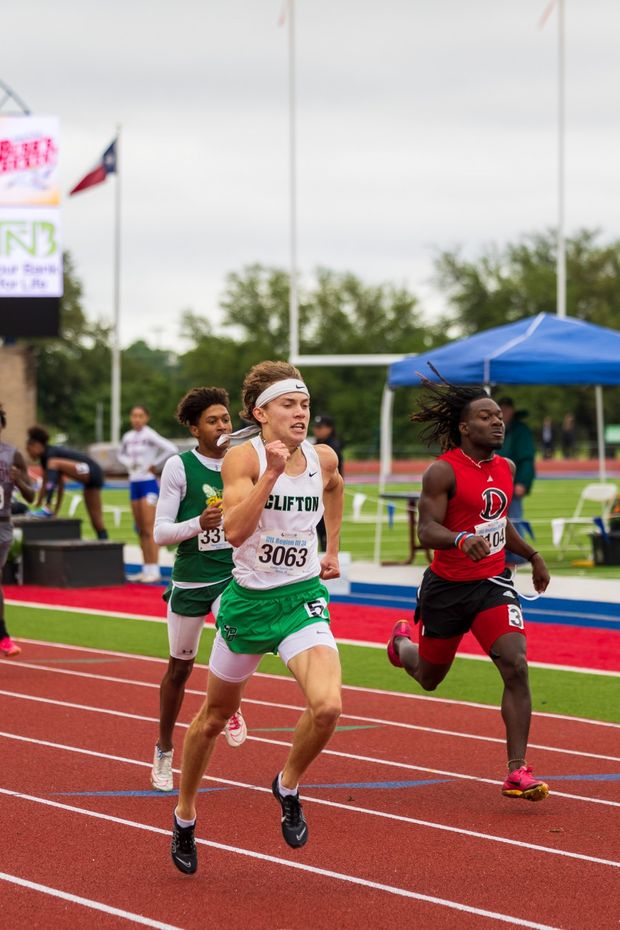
(407, 824)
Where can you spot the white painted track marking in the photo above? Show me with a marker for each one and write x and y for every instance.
(330, 752)
(357, 688)
(299, 709)
(86, 902)
(302, 867)
(310, 799)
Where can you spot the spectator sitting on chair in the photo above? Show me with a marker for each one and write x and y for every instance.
(324, 431)
(519, 447)
(58, 464)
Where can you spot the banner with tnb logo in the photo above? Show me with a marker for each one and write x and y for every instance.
(30, 235)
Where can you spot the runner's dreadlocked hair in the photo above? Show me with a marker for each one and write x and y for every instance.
(443, 410)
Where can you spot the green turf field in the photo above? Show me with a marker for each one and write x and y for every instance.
(572, 693)
(550, 498)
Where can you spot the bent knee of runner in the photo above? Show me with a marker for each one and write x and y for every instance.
(326, 713)
(512, 663)
(430, 674)
(211, 723)
(428, 681)
(179, 671)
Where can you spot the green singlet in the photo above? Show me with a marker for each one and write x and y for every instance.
(204, 559)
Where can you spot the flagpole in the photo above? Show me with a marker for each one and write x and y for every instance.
(115, 413)
(293, 298)
(561, 246)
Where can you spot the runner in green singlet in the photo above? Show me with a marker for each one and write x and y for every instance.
(189, 515)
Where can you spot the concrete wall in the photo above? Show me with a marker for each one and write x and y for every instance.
(18, 392)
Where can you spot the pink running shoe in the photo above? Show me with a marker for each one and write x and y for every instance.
(236, 730)
(521, 784)
(9, 648)
(401, 628)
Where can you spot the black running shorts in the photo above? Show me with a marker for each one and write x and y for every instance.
(448, 608)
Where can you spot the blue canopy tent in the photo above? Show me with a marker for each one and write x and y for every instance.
(545, 349)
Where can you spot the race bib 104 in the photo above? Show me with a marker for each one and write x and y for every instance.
(494, 531)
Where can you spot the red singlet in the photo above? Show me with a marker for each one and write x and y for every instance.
(483, 491)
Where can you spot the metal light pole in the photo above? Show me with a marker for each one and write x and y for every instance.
(293, 309)
(561, 256)
(115, 399)
(561, 243)
(10, 94)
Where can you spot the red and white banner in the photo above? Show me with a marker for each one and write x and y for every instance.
(29, 161)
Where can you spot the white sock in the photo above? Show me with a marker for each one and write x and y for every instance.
(286, 792)
(184, 823)
(151, 569)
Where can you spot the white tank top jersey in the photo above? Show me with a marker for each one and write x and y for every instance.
(283, 548)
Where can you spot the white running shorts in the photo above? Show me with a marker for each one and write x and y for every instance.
(237, 666)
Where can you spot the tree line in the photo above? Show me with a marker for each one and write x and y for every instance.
(339, 314)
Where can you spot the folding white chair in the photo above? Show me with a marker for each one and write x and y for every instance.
(563, 528)
(76, 500)
(358, 503)
(117, 511)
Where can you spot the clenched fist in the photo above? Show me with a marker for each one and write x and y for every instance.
(277, 456)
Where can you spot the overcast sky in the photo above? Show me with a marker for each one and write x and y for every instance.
(421, 125)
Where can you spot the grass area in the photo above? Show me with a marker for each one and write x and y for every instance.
(571, 693)
(550, 498)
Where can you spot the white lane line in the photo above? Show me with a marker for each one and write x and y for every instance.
(357, 688)
(400, 818)
(61, 608)
(270, 741)
(302, 867)
(365, 644)
(549, 666)
(86, 902)
(299, 709)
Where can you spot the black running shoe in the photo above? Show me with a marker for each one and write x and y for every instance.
(183, 848)
(294, 826)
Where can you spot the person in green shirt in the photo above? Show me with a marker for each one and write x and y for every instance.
(189, 515)
(520, 448)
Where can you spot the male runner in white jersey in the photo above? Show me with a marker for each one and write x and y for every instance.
(189, 515)
(276, 488)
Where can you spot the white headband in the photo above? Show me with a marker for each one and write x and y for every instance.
(289, 386)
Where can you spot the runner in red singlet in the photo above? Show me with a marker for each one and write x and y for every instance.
(463, 517)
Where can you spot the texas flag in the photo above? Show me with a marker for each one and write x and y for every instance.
(106, 166)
